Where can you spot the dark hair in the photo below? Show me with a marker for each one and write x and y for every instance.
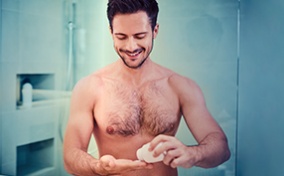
(133, 6)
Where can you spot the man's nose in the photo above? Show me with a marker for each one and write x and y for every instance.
(131, 45)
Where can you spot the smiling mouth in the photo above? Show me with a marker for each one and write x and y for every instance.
(134, 54)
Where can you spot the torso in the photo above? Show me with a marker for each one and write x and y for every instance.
(148, 109)
(126, 117)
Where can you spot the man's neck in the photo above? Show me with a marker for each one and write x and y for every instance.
(137, 76)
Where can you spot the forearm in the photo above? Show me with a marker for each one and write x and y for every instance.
(79, 162)
(212, 150)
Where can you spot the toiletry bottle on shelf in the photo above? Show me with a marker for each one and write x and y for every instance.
(143, 154)
(27, 95)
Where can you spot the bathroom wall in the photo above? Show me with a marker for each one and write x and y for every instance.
(89, 33)
(198, 39)
(261, 114)
(1, 141)
(32, 46)
(35, 41)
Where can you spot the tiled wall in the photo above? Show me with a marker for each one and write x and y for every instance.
(90, 42)
(1, 137)
(198, 39)
(33, 40)
(261, 113)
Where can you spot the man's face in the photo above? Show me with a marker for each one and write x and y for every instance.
(133, 38)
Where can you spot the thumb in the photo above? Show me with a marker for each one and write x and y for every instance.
(108, 161)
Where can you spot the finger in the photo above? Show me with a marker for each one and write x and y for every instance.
(157, 140)
(111, 163)
(170, 156)
(163, 148)
(103, 166)
(129, 164)
(107, 161)
(142, 165)
(149, 166)
(181, 162)
(174, 163)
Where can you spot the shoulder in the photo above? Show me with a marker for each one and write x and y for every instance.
(181, 82)
(177, 81)
(88, 88)
(94, 83)
(94, 80)
(186, 89)
(88, 83)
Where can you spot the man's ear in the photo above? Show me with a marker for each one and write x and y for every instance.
(156, 31)
(110, 30)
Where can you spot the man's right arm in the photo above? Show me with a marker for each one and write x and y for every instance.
(79, 130)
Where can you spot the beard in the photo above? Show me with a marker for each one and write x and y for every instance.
(142, 50)
(133, 66)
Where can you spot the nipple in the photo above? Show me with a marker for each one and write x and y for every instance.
(110, 130)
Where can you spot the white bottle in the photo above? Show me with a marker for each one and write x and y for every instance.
(27, 93)
(143, 154)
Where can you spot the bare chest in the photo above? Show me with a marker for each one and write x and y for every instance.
(152, 109)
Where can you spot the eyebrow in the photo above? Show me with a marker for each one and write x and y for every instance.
(140, 33)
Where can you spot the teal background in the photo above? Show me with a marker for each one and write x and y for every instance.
(233, 49)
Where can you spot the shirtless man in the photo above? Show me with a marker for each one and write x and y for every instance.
(135, 101)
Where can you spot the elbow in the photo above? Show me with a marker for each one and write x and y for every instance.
(68, 169)
(67, 165)
(224, 154)
(227, 154)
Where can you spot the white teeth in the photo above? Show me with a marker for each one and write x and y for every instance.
(134, 54)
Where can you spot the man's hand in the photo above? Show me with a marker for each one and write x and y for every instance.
(108, 165)
(176, 153)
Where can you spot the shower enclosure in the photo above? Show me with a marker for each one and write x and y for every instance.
(55, 43)
(52, 44)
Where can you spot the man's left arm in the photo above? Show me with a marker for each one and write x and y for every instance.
(212, 148)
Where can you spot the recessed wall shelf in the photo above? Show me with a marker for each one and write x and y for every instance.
(38, 81)
(35, 157)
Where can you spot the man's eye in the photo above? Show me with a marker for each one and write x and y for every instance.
(121, 38)
(140, 36)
